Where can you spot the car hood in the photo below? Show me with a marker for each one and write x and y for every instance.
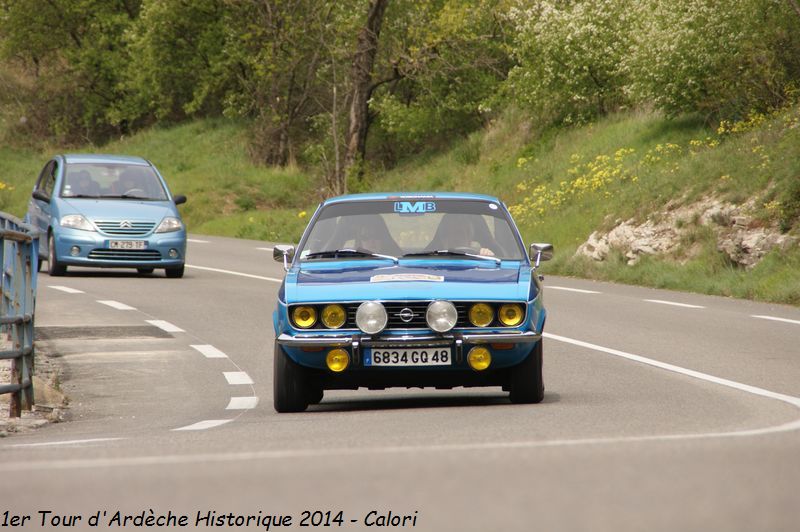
(118, 209)
(409, 280)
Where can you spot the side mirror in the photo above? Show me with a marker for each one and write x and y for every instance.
(283, 253)
(540, 252)
(180, 198)
(41, 196)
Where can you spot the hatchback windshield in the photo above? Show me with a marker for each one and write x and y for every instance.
(120, 181)
(418, 228)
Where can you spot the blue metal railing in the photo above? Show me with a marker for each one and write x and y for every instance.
(19, 257)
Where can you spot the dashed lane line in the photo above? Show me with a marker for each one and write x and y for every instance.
(209, 351)
(673, 303)
(774, 318)
(67, 289)
(116, 304)
(237, 377)
(567, 289)
(203, 425)
(196, 241)
(265, 249)
(165, 325)
(242, 403)
(240, 274)
(67, 442)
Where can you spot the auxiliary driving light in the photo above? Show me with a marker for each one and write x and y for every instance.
(304, 316)
(441, 316)
(337, 360)
(371, 317)
(481, 315)
(333, 316)
(173, 253)
(510, 315)
(479, 358)
(74, 251)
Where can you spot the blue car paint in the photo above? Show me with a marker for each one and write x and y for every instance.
(339, 280)
(46, 215)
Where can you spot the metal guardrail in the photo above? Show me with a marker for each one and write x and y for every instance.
(19, 257)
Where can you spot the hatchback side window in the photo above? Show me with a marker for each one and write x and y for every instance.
(47, 179)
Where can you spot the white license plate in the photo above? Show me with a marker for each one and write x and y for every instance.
(127, 244)
(424, 356)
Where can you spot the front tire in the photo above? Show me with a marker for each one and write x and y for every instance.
(54, 268)
(175, 273)
(526, 385)
(290, 383)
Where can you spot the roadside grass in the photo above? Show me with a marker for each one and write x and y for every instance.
(561, 185)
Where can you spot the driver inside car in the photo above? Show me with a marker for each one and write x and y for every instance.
(456, 234)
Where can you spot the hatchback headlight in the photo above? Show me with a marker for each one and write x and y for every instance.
(371, 317)
(169, 224)
(441, 316)
(76, 221)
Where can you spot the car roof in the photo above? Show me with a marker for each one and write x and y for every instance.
(410, 196)
(100, 158)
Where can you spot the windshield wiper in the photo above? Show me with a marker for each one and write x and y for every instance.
(126, 196)
(449, 253)
(84, 196)
(347, 252)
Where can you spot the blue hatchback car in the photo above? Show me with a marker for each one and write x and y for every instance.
(409, 290)
(107, 211)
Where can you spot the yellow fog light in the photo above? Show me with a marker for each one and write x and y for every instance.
(337, 360)
(481, 315)
(479, 358)
(510, 315)
(333, 316)
(304, 317)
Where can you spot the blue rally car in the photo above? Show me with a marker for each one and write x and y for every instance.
(409, 290)
(107, 211)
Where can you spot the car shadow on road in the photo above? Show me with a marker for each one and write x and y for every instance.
(416, 402)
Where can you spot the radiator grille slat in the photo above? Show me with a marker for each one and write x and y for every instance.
(125, 227)
(123, 255)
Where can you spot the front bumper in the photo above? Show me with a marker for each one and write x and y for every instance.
(94, 250)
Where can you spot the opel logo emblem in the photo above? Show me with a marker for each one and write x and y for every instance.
(125, 224)
(406, 315)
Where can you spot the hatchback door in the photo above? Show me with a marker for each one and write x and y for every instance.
(39, 210)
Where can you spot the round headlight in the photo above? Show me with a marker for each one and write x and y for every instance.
(481, 315)
(510, 315)
(337, 360)
(371, 317)
(333, 316)
(441, 316)
(304, 316)
(479, 358)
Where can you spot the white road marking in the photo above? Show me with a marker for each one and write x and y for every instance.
(209, 351)
(662, 302)
(229, 272)
(242, 403)
(237, 377)
(203, 425)
(196, 241)
(547, 287)
(116, 304)
(67, 289)
(773, 318)
(67, 442)
(165, 325)
(266, 249)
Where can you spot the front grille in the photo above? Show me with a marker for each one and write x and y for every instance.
(395, 308)
(125, 227)
(125, 254)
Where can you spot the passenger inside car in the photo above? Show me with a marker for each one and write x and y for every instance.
(462, 233)
(80, 183)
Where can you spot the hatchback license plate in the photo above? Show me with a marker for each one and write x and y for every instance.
(127, 244)
(426, 356)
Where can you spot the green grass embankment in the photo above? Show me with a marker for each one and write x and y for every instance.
(560, 184)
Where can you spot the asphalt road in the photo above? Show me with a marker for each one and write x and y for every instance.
(662, 411)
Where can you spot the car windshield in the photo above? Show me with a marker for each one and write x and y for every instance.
(112, 181)
(416, 228)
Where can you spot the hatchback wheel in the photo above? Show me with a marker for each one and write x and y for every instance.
(54, 268)
(526, 384)
(175, 273)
